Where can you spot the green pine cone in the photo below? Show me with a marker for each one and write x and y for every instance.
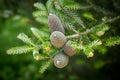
(55, 24)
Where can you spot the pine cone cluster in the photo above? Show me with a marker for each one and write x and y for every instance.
(59, 40)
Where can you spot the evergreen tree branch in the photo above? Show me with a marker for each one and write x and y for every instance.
(40, 6)
(44, 66)
(69, 26)
(20, 50)
(38, 56)
(73, 36)
(77, 7)
(49, 5)
(94, 43)
(79, 34)
(42, 19)
(74, 16)
(25, 39)
(99, 9)
(104, 28)
(37, 34)
(39, 13)
(112, 41)
(61, 2)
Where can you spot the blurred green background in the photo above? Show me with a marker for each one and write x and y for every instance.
(16, 16)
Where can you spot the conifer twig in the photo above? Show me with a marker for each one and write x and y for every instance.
(99, 9)
(79, 34)
(73, 36)
(89, 30)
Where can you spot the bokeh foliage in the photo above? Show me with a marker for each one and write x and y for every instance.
(16, 17)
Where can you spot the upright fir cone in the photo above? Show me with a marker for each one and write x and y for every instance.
(58, 39)
(68, 49)
(55, 24)
(61, 60)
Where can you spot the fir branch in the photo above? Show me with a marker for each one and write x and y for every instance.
(99, 9)
(38, 56)
(44, 57)
(112, 41)
(102, 26)
(74, 15)
(88, 51)
(88, 16)
(73, 36)
(110, 20)
(39, 13)
(57, 5)
(102, 10)
(85, 7)
(77, 46)
(87, 31)
(102, 49)
(79, 34)
(40, 6)
(37, 34)
(42, 19)
(100, 30)
(77, 7)
(61, 2)
(20, 50)
(94, 43)
(73, 6)
(25, 39)
(49, 5)
(44, 66)
(105, 20)
(68, 25)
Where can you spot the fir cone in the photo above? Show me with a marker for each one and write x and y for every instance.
(69, 50)
(58, 39)
(61, 60)
(55, 24)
